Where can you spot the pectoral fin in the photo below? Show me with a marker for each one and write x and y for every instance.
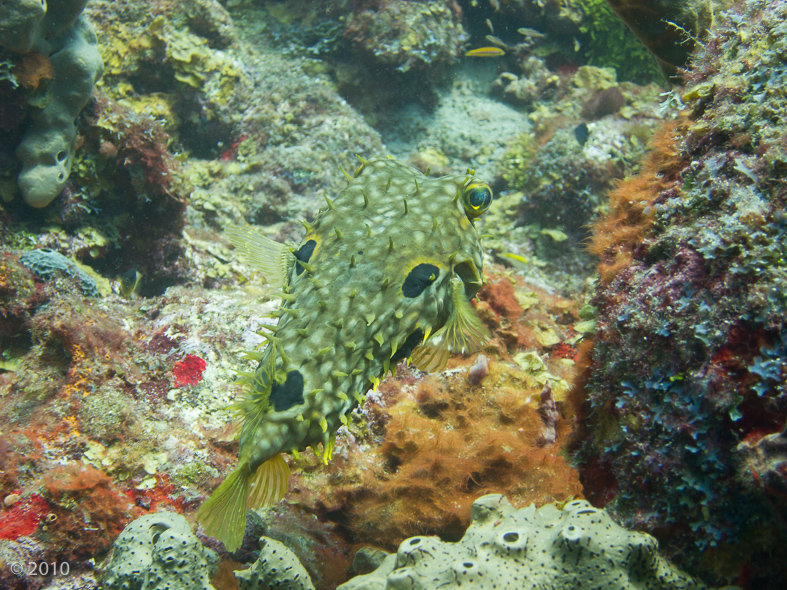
(272, 259)
(463, 333)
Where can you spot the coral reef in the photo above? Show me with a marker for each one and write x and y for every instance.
(124, 203)
(565, 167)
(159, 552)
(177, 61)
(686, 378)
(549, 547)
(214, 113)
(408, 35)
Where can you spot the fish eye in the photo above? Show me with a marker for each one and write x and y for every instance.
(476, 198)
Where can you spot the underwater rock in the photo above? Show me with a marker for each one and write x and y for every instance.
(408, 35)
(546, 548)
(159, 552)
(687, 373)
(276, 567)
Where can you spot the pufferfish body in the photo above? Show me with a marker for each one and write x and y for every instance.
(384, 273)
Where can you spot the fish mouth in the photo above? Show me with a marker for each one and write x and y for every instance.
(471, 277)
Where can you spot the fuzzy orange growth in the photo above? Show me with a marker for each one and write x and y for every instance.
(447, 443)
(33, 69)
(89, 512)
(617, 235)
(499, 294)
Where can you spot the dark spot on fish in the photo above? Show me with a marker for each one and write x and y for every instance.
(419, 279)
(288, 394)
(581, 132)
(304, 253)
(408, 346)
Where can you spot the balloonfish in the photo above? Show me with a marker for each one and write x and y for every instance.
(385, 273)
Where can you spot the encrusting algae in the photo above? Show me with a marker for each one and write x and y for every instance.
(385, 272)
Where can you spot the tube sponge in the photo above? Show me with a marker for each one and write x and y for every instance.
(20, 23)
(47, 149)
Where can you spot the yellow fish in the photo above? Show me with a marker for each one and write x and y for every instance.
(384, 273)
(485, 52)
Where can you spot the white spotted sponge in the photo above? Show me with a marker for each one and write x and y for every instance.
(578, 547)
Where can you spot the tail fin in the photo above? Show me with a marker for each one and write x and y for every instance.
(224, 514)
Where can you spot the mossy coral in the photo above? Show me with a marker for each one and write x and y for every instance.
(687, 372)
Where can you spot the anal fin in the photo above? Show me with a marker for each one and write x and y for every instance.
(269, 483)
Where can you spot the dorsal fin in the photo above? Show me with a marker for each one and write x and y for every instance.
(464, 332)
(272, 259)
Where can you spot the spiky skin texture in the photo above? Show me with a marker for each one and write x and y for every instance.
(352, 299)
(354, 306)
